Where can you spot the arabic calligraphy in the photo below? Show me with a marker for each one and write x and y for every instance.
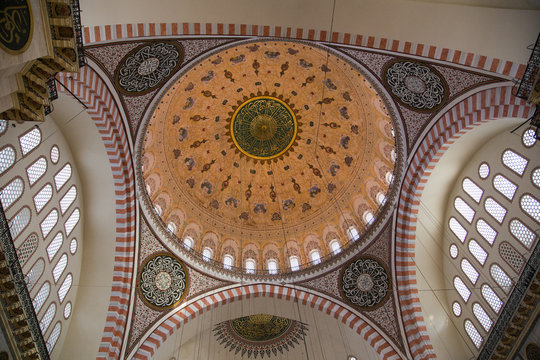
(15, 25)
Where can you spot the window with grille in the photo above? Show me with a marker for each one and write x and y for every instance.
(491, 297)
(456, 308)
(42, 197)
(30, 140)
(27, 248)
(67, 310)
(462, 289)
(501, 277)
(34, 274)
(315, 256)
(531, 206)
(55, 245)
(464, 209)
(188, 242)
(59, 268)
(7, 158)
(334, 245)
(473, 333)
(53, 338)
(504, 186)
(536, 177)
(11, 192)
(522, 233)
(228, 261)
(483, 170)
(482, 316)
(73, 246)
(473, 190)
(454, 251)
(68, 199)
(207, 253)
(514, 161)
(486, 231)
(272, 266)
(457, 229)
(171, 227)
(72, 221)
(495, 209)
(353, 233)
(293, 261)
(381, 199)
(469, 270)
(55, 154)
(49, 222)
(41, 296)
(250, 266)
(478, 252)
(368, 217)
(64, 288)
(36, 170)
(62, 176)
(511, 256)
(47, 318)
(19, 222)
(528, 138)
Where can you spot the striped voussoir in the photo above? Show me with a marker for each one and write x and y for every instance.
(191, 310)
(472, 111)
(105, 33)
(93, 92)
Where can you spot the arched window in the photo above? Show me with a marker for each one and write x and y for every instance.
(469, 270)
(315, 256)
(514, 161)
(47, 318)
(536, 177)
(207, 254)
(62, 176)
(11, 192)
(483, 170)
(381, 199)
(36, 170)
(462, 289)
(473, 333)
(487, 232)
(30, 140)
(59, 268)
(72, 221)
(491, 297)
(293, 261)
(393, 155)
(157, 210)
(7, 158)
(27, 248)
(55, 154)
(42, 197)
(272, 266)
(501, 277)
(188, 242)
(482, 316)
(68, 199)
(457, 229)
(531, 206)
(34, 274)
(171, 227)
(250, 266)
(474, 191)
(55, 244)
(53, 338)
(504, 186)
(73, 246)
(228, 261)
(49, 222)
(389, 177)
(353, 233)
(19, 222)
(478, 252)
(64, 288)
(495, 209)
(67, 310)
(368, 217)
(334, 245)
(528, 138)
(464, 209)
(454, 251)
(521, 232)
(41, 296)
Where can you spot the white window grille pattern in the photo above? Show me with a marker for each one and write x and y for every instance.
(250, 266)
(62, 176)
(19, 222)
(68, 199)
(522, 233)
(55, 154)
(514, 161)
(487, 232)
(501, 277)
(3, 126)
(293, 261)
(368, 217)
(27, 248)
(469, 270)
(188, 242)
(473, 333)
(64, 288)
(353, 233)
(53, 338)
(41, 296)
(531, 206)
(381, 199)
(207, 254)
(456, 308)
(528, 138)
(464, 209)
(36, 170)
(491, 297)
(482, 316)
(495, 209)
(7, 158)
(42, 197)
(73, 246)
(11, 192)
(171, 227)
(67, 310)
(72, 221)
(536, 177)
(34, 274)
(49, 222)
(457, 229)
(483, 170)
(478, 251)
(272, 266)
(30, 140)
(389, 177)
(59, 268)
(504, 186)
(462, 289)
(511, 256)
(47, 318)
(55, 244)
(334, 245)
(315, 256)
(454, 251)
(228, 261)
(472, 189)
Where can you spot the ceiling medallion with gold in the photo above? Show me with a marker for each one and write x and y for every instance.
(263, 127)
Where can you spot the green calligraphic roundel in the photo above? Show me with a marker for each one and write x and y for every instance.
(15, 25)
(264, 127)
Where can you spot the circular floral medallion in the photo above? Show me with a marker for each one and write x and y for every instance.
(163, 281)
(365, 283)
(416, 85)
(263, 127)
(148, 66)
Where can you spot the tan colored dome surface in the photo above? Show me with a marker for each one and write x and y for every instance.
(267, 142)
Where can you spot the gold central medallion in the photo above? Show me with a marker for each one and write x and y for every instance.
(264, 127)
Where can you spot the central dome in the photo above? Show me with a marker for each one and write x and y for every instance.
(268, 147)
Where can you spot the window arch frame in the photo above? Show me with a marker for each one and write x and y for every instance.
(272, 270)
(14, 160)
(207, 249)
(337, 249)
(60, 265)
(517, 239)
(294, 267)
(225, 264)
(62, 298)
(66, 165)
(28, 152)
(45, 298)
(519, 155)
(21, 230)
(318, 258)
(250, 269)
(48, 200)
(500, 192)
(78, 211)
(63, 211)
(45, 233)
(32, 183)
(530, 215)
(507, 292)
(6, 208)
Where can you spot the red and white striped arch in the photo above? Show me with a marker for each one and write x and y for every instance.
(93, 92)
(472, 111)
(191, 310)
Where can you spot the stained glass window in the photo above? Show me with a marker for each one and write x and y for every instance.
(456, 308)
(293, 261)
(55, 154)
